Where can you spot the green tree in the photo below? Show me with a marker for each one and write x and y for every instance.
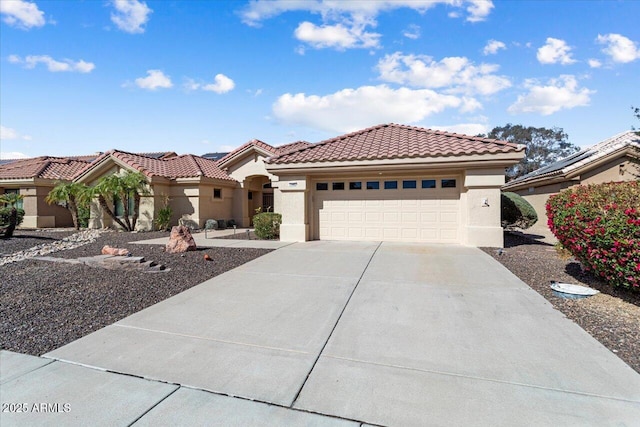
(121, 188)
(636, 114)
(14, 215)
(73, 195)
(543, 146)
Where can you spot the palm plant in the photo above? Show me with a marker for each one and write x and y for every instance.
(123, 188)
(14, 218)
(72, 194)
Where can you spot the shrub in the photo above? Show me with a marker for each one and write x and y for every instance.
(516, 212)
(163, 221)
(5, 216)
(600, 226)
(267, 225)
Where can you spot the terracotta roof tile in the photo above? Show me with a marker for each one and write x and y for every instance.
(393, 141)
(253, 143)
(184, 166)
(44, 167)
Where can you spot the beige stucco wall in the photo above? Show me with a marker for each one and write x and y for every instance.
(479, 219)
(39, 214)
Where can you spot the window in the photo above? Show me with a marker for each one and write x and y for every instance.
(338, 186)
(428, 183)
(373, 185)
(217, 193)
(409, 184)
(250, 195)
(19, 203)
(322, 186)
(118, 206)
(448, 183)
(355, 185)
(390, 185)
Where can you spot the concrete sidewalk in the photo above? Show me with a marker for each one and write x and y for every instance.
(344, 333)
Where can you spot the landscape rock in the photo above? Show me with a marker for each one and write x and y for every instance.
(108, 250)
(180, 240)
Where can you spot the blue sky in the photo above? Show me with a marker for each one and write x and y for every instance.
(78, 77)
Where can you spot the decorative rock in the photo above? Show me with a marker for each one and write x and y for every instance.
(108, 250)
(180, 240)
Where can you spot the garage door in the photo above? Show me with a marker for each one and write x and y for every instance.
(417, 210)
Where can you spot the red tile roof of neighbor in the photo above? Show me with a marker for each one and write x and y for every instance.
(184, 166)
(393, 141)
(275, 151)
(44, 167)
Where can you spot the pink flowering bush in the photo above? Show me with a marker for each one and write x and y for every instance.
(600, 226)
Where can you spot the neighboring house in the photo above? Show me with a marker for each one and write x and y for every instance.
(394, 182)
(196, 187)
(33, 179)
(612, 160)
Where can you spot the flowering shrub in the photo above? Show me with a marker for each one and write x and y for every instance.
(267, 225)
(600, 226)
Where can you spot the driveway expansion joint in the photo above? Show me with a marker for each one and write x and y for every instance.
(315, 362)
(287, 350)
(473, 377)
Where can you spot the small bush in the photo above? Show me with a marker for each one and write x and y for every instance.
(267, 225)
(600, 226)
(516, 212)
(163, 221)
(5, 216)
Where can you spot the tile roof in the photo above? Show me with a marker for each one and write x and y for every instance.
(244, 147)
(581, 158)
(184, 166)
(393, 141)
(294, 146)
(43, 167)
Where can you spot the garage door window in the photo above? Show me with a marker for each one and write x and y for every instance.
(322, 186)
(391, 185)
(448, 183)
(338, 186)
(355, 185)
(373, 185)
(409, 184)
(428, 183)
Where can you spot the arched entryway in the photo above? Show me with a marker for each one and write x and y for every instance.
(259, 195)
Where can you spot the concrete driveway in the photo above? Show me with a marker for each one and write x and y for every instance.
(344, 333)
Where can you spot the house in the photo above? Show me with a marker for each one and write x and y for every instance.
(394, 182)
(33, 179)
(612, 160)
(387, 182)
(195, 187)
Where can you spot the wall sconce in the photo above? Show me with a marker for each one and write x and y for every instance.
(485, 202)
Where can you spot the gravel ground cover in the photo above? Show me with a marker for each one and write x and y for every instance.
(44, 305)
(612, 316)
(23, 239)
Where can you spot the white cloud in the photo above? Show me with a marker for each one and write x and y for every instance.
(130, 15)
(345, 24)
(10, 134)
(555, 51)
(55, 66)
(339, 36)
(352, 109)
(493, 46)
(558, 94)
(155, 79)
(594, 63)
(619, 48)
(21, 14)
(455, 74)
(11, 155)
(412, 32)
(464, 128)
(221, 84)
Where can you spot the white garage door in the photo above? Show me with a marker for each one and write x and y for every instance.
(404, 209)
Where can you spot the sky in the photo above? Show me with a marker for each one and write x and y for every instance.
(80, 77)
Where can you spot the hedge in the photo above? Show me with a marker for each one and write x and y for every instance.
(600, 226)
(267, 225)
(516, 211)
